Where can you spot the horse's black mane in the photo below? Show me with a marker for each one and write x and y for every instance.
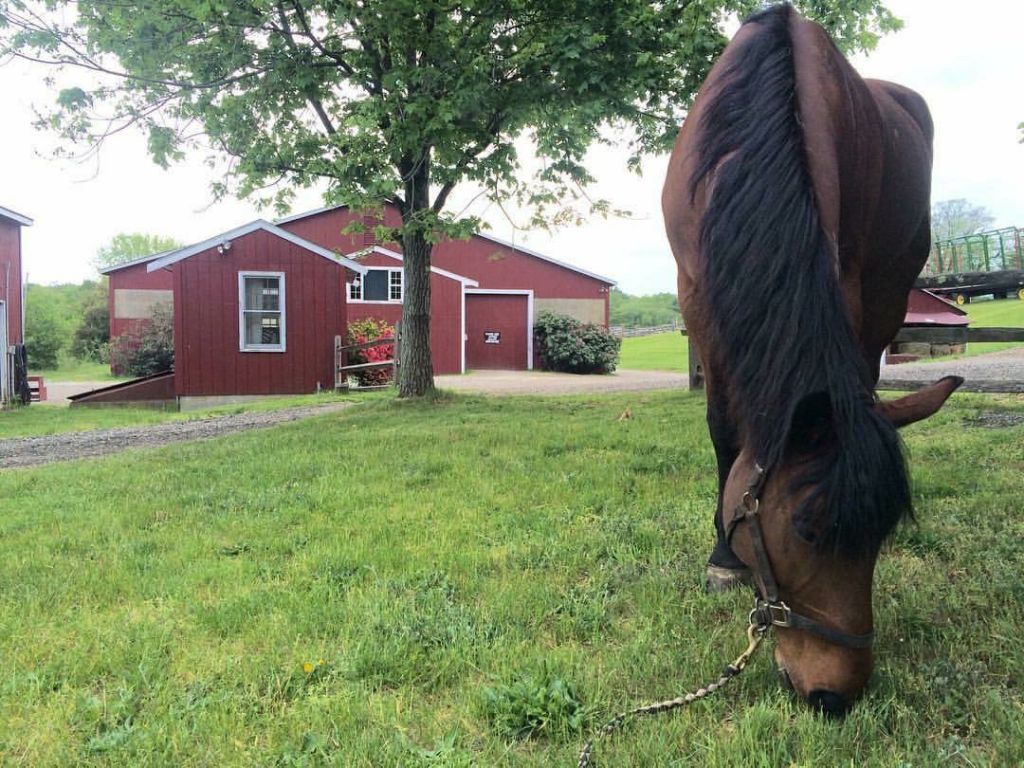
(781, 330)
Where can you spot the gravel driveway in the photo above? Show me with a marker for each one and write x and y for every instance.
(30, 451)
(982, 371)
(548, 383)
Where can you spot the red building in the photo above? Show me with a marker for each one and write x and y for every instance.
(12, 313)
(10, 274)
(484, 296)
(509, 286)
(134, 293)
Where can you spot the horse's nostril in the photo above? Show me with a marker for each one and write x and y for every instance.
(829, 703)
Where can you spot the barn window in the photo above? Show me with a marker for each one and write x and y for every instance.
(261, 311)
(395, 285)
(378, 285)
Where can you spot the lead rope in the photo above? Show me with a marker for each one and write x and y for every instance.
(755, 634)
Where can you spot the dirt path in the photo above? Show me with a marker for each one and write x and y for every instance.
(32, 451)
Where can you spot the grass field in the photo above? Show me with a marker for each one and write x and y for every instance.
(477, 582)
(668, 351)
(658, 352)
(72, 369)
(1004, 313)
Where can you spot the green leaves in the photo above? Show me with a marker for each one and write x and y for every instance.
(163, 145)
(128, 246)
(73, 99)
(357, 94)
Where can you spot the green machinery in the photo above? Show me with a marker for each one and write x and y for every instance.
(975, 265)
(990, 251)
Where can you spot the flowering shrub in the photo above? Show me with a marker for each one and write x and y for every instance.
(565, 344)
(362, 331)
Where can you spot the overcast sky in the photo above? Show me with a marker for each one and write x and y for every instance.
(964, 58)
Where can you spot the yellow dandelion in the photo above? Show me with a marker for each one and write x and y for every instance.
(307, 667)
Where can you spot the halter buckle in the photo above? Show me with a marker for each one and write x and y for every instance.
(776, 614)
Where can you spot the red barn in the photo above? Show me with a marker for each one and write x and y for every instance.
(379, 293)
(134, 293)
(11, 308)
(10, 275)
(256, 311)
(513, 284)
(484, 296)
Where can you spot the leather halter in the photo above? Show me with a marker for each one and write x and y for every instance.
(769, 609)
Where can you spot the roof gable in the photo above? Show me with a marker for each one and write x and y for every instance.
(515, 248)
(133, 262)
(224, 240)
(16, 217)
(398, 257)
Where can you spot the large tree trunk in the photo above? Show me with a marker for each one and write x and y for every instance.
(416, 369)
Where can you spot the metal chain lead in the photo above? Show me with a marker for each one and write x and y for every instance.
(755, 634)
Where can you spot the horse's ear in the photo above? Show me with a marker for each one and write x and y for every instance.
(921, 404)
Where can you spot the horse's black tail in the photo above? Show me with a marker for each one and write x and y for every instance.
(770, 274)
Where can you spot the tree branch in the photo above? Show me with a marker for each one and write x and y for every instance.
(315, 102)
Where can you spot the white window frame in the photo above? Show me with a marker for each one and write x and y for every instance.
(400, 284)
(362, 285)
(242, 346)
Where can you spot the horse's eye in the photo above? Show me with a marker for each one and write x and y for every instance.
(804, 528)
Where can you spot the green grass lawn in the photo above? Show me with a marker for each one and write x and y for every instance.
(658, 352)
(1001, 313)
(414, 584)
(72, 369)
(1007, 313)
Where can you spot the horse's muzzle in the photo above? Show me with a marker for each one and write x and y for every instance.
(829, 703)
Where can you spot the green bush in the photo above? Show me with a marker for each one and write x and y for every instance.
(92, 337)
(148, 351)
(567, 345)
(44, 336)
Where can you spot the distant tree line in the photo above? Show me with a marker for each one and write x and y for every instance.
(639, 311)
(66, 321)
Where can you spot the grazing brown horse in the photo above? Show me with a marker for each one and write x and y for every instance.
(797, 204)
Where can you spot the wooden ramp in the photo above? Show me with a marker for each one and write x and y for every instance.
(156, 391)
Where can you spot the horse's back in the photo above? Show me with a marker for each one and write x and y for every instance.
(867, 147)
(899, 236)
